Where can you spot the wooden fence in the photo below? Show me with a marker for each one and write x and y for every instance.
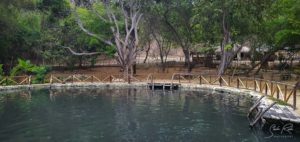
(277, 90)
(281, 91)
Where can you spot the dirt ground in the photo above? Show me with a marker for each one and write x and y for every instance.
(144, 70)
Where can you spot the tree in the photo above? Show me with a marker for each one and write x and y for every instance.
(123, 37)
(178, 17)
(159, 32)
(20, 29)
(229, 23)
(280, 28)
(61, 35)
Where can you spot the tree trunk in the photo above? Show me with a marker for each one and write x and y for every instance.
(222, 66)
(131, 70)
(262, 61)
(134, 69)
(163, 67)
(147, 53)
(187, 61)
(80, 62)
(126, 71)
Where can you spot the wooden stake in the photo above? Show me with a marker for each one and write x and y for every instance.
(285, 92)
(295, 99)
(29, 80)
(200, 79)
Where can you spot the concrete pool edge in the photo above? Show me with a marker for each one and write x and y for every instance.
(14, 88)
(255, 95)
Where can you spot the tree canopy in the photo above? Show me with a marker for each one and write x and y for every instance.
(50, 31)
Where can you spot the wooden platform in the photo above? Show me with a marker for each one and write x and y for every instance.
(163, 86)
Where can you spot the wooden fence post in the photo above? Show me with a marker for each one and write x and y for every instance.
(51, 79)
(229, 81)
(295, 99)
(272, 88)
(266, 88)
(285, 92)
(238, 83)
(152, 81)
(110, 79)
(29, 80)
(92, 78)
(220, 80)
(260, 86)
(254, 82)
(277, 95)
(72, 79)
(129, 81)
(200, 79)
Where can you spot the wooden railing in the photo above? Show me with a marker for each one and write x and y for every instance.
(27, 80)
(16, 80)
(92, 78)
(277, 90)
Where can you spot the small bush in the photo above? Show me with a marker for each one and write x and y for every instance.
(25, 67)
(1, 71)
(40, 73)
(297, 70)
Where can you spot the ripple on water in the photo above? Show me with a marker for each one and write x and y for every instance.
(124, 115)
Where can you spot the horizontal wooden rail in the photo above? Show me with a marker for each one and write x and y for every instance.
(278, 90)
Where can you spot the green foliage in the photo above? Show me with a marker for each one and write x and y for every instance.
(228, 47)
(283, 22)
(297, 70)
(35, 29)
(1, 72)
(40, 72)
(110, 51)
(242, 19)
(25, 67)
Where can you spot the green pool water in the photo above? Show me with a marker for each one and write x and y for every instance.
(127, 115)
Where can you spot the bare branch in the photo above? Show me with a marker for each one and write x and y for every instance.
(79, 22)
(125, 17)
(115, 22)
(99, 15)
(81, 54)
(136, 30)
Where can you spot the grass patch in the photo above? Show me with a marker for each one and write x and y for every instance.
(280, 102)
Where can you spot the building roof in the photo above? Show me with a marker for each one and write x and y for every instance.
(245, 49)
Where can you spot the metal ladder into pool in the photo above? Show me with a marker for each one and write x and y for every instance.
(260, 113)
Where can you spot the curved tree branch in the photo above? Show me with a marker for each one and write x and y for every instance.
(80, 24)
(81, 54)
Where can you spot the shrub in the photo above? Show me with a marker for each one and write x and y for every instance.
(1, 72)
(297, 70)
(40, 73)
(25, 67)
